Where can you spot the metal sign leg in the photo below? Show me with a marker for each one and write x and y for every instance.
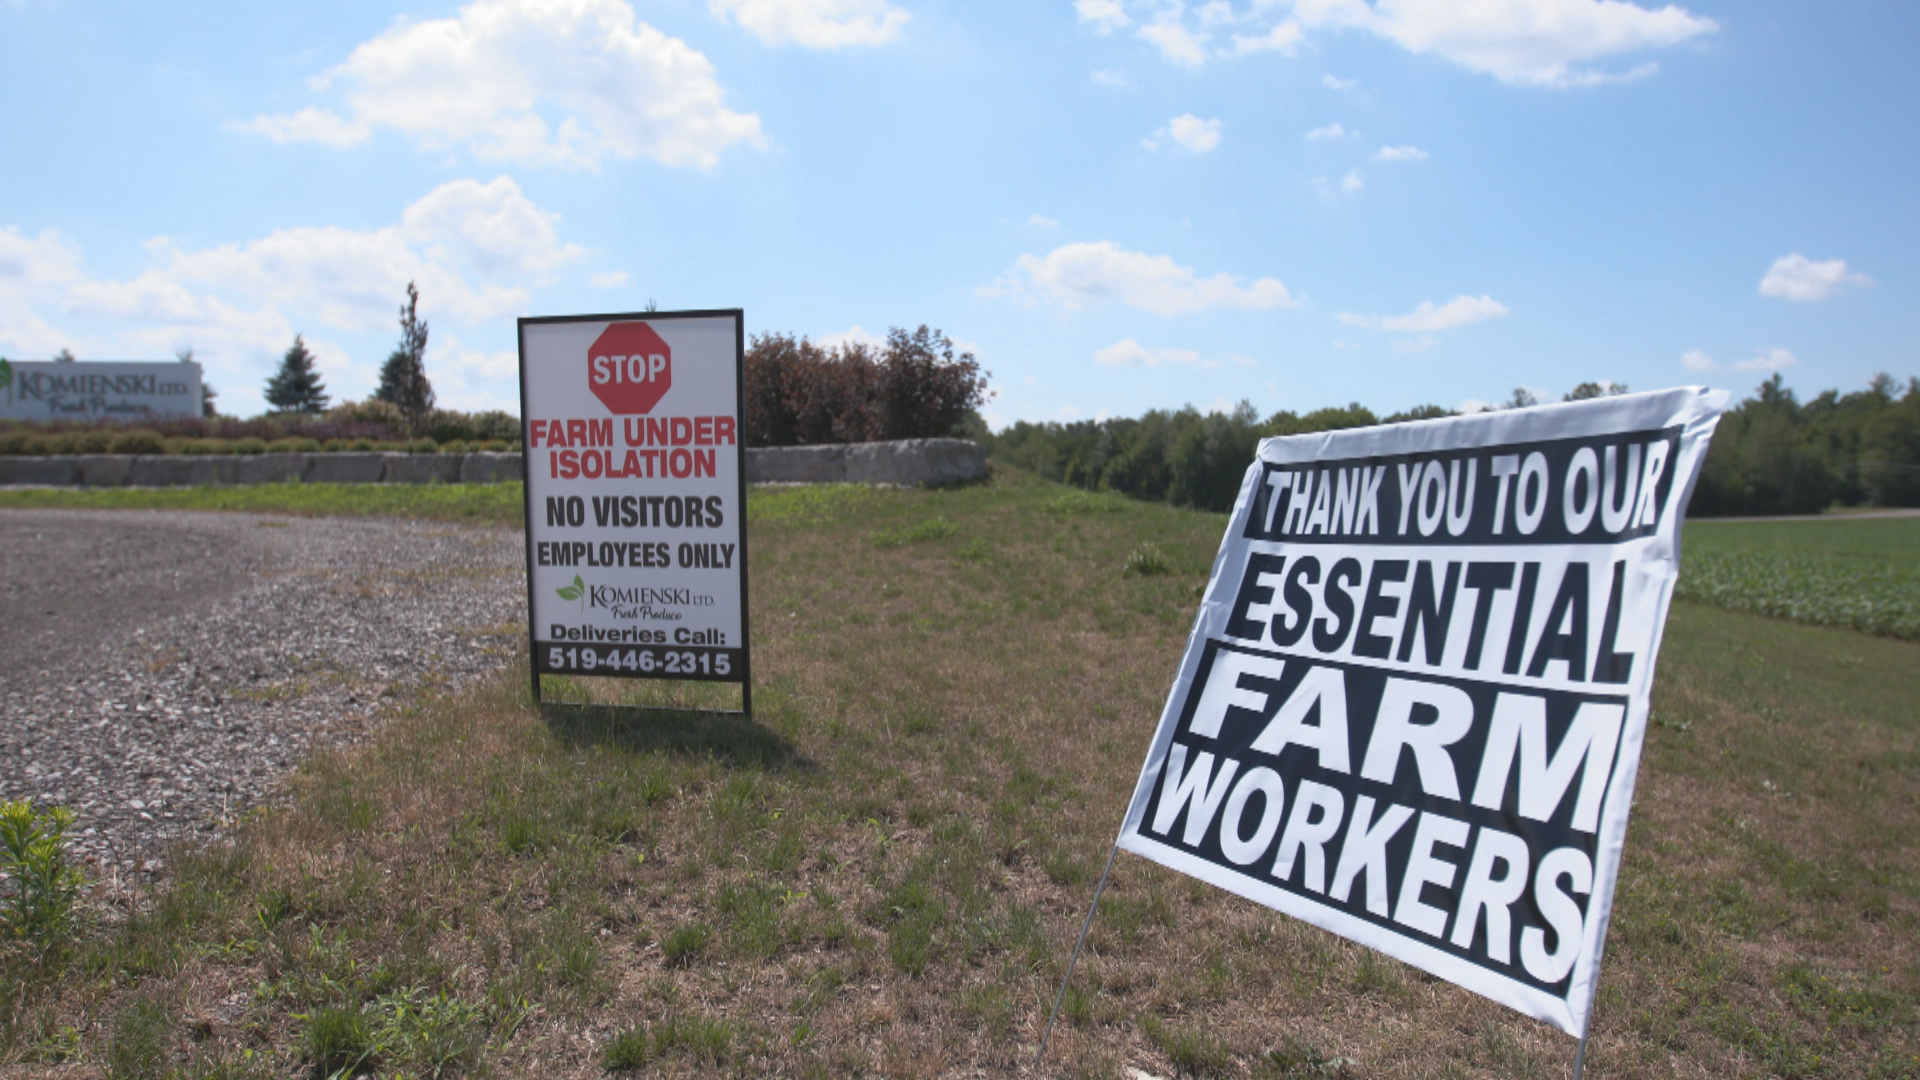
(1075, 959)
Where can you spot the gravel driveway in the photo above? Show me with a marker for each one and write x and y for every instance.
(160, 672)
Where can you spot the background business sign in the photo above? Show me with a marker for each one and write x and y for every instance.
(1411, 709)
(44, 390)
(636, 494)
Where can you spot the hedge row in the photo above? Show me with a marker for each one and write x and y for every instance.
(913, 387)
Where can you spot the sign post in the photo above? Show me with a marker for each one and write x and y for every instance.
(1411, 708)
(636, 490)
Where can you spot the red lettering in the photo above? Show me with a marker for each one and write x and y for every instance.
(569, 464)
(576, 433)
(682, 430)
(680, 464)
(631, 466)
(703, 431)
(703, 463)
(656, 432)
(723, 429)
(601, 432)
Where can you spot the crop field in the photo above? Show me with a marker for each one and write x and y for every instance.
(882, 872)
(1859, 573)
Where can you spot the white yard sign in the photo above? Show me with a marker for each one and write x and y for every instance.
(636, 495)
(1411, 709)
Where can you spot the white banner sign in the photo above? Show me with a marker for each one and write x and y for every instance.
(1411, 709)
(47, 390)
(636, 495)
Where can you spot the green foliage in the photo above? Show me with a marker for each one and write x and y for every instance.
(137, 1047)
(40, 886)
(339, 1040)
(403, 378)
(913, 387)
(1181, 457)
(1861, 573)
(1146, 560)
(1773, 455)
(685, 942)
(296, 387)
(1193, 1051)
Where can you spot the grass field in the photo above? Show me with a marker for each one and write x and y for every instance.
(1861, 573)
(883, 872)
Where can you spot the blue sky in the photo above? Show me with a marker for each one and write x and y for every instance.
(1116, 205)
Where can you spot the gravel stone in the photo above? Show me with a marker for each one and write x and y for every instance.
(163, 671)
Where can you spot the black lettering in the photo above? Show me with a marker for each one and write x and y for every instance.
(1253, 592)
(1429, 615)
(1610, 666)
(1339, 603)
(1522, 618)
(1487, 580)
(1379, 606)
(715, 518)
(1569, 645)
(1306, 571)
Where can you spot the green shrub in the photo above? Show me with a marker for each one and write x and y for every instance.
(102, 442)
(250, 446)
(1147, 560)
(456, 446)
(339, 1041)
(420, 446)
(294, 445)
(37, 905)
(137, 441)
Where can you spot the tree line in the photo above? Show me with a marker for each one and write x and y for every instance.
(1771, 454)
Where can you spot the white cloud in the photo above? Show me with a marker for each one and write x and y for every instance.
(1282, 38)
(814, 24)
(1042, 221)
(1334, 82)
(1430, 317)
(1112, 78)
(853, 335)
(472, 247)
(1331, 131)
(308, 125)
(1087, 275)
(1473, 405)
(1351, 182)
(611, 279)
(472, 380)
(1523, 42)
(1105, 15)
(1773, 359)
(1419, 344)
(1189, 133)
(1399, 153)
(1548, 43)
(540, 82)
(1130, 353)
(1796, 277)
(1177, 44)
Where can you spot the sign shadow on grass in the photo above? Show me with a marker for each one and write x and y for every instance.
(729, 738)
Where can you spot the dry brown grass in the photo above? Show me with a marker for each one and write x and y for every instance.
(883, 873)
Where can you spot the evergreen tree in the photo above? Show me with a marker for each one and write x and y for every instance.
(296, 387)
(403, 378)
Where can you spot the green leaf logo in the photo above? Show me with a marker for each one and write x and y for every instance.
(6, 378)
(574, 591)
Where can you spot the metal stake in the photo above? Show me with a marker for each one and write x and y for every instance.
(1075, 959)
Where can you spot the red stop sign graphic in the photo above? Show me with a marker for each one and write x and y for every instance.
(629, 368)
